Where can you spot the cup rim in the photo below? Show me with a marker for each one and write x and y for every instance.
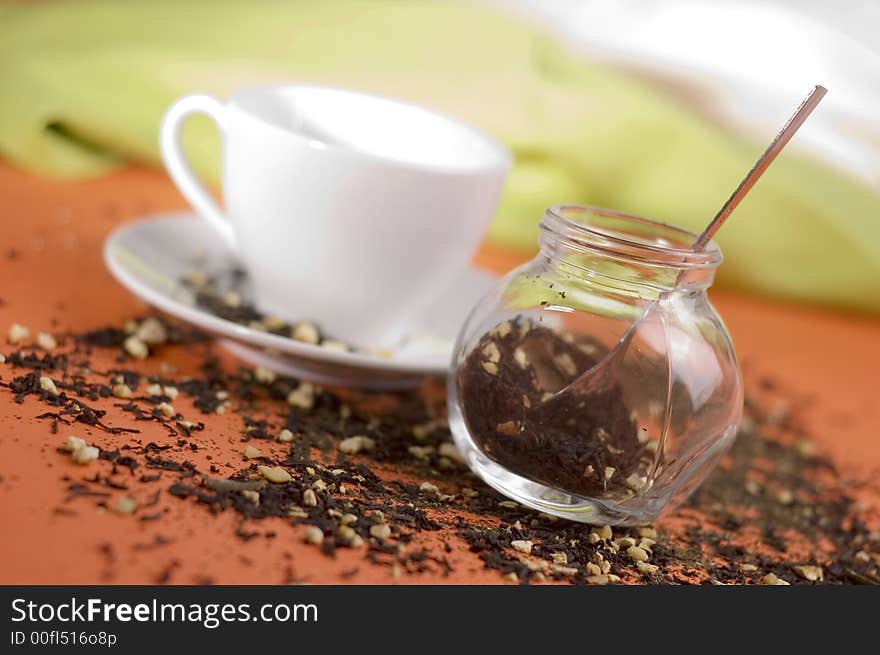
(499, 160)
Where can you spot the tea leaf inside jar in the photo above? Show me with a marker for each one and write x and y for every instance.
(588, 447)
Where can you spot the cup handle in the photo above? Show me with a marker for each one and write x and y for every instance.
(172, 154)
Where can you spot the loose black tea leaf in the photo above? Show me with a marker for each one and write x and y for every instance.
(588, 446)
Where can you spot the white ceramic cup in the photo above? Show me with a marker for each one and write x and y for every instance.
(345, 208)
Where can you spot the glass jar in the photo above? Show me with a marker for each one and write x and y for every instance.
(596, 382)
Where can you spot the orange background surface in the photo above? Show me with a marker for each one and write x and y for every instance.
(52, 278)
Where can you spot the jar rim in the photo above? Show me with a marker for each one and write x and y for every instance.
(643, 239)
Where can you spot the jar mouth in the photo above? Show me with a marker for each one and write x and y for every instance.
(616, 233)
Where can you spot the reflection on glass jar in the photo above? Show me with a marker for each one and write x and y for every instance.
(596, 382)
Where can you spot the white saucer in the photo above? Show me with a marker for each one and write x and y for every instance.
(151, 255)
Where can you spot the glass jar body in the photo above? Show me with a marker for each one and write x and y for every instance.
(597, 382)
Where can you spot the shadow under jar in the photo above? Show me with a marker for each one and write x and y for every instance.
(596, 382)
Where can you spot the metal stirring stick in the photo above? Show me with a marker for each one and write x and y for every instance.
(764, 161)
(602, 372)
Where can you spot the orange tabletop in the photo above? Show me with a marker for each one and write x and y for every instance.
(52, 278)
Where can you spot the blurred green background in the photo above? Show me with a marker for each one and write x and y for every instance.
(85, 84)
